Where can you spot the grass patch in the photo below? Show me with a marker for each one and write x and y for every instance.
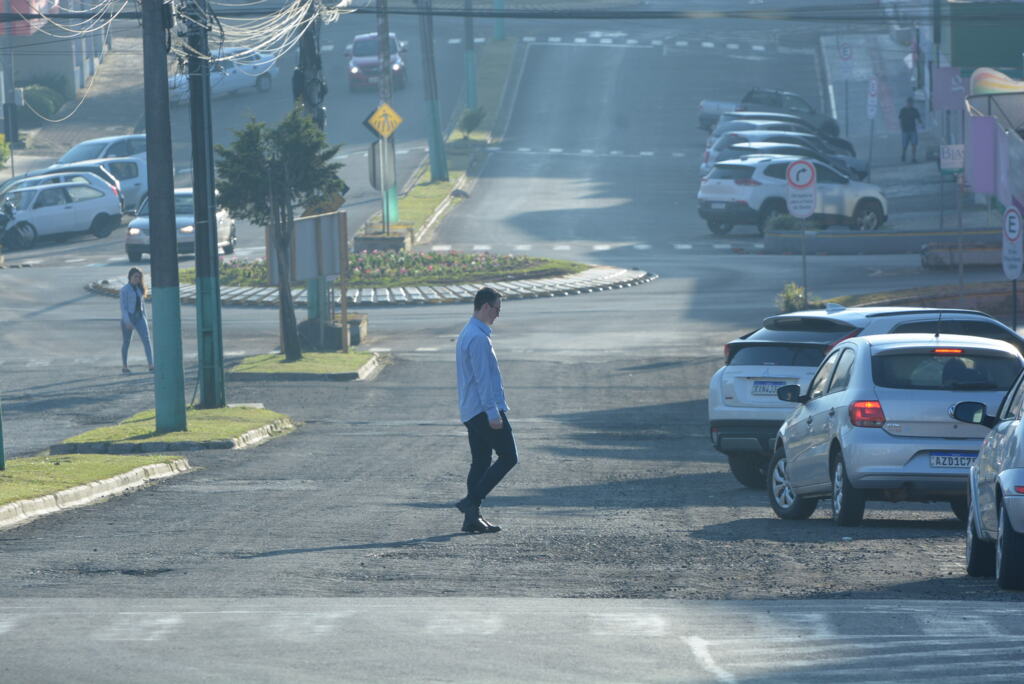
(203, 425)
(314, 363)
(420, 202)
(27, 478)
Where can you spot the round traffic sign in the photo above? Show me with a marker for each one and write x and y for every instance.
(845, 51)
(800, 174)
(1012, 224)
(1013, 256)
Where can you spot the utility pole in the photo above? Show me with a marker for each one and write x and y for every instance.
(10, 108)
(389, 208)
(499, 22)
(208, 321)
(438, 156)
(163, 233)
(470, 57)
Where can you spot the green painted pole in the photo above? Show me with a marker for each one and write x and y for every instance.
(499, 22)
(169, 385)
(470, 57)
(438, 155)
(3, 461)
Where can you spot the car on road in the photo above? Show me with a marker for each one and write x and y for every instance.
(844, 146)
(768, 100)
(56, 209)
(97, 168)
(364, 61)
(136, 241)
(875, 424)
(744, 411)
(809, 140)
(995, 490)
(747, 149)
(233, 69)
(128, 172)
(101, 148)
(752, 191)
(87, 177)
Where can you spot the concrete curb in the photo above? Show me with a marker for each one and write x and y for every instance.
(877, 242)
(593, 279)
(26, 510)
(247, 439)
(367, 371)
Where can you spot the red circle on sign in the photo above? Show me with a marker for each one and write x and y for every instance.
(791, 169)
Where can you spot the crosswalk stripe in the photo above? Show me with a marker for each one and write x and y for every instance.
(641, 246)
(481, 248)
(442, 248)
(602, 248)
(562, 248)
(683, 246)
(523, 248)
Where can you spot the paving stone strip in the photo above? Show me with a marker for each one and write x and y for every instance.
(593, 279)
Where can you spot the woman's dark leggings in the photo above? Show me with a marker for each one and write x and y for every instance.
(483, 440)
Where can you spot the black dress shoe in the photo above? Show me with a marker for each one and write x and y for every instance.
(494, 528)
(478, 526)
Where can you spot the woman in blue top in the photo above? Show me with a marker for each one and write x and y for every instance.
(133, 317)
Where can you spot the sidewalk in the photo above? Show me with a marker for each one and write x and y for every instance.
(111, 104)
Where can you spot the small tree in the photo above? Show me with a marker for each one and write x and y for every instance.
(263, 176)
(471, 120)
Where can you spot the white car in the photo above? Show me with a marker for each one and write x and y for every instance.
(875, 424)
(61, 208)
(136, 240)
(744, 412)
(752, 191)
(233, 69)
(101, 148)
(87, 177)
(995, 490)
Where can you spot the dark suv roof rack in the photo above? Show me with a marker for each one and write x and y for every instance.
(903, 312)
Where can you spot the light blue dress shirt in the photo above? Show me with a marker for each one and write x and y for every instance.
(476, 367)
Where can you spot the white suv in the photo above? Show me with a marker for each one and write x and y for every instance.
(744, 412)
(752, 190)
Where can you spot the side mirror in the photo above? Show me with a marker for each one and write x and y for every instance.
(791, 393)
(972, 412)
(403, 46)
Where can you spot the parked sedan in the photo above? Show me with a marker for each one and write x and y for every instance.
(136, 241)
(233, 69)
(99, 148)
(875, 424)
(58, 209)
(995, 519)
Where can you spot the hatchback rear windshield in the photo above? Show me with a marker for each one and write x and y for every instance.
(932, 371)
(802, 329)
(729, 172)
(778, 355)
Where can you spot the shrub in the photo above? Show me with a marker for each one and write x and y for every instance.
(787, 222)
(42, 101)
(792, 299)
(471, 120)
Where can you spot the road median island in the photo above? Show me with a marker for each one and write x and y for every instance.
(40, 485)
(994, 297)
(334, 366)
(233, 427)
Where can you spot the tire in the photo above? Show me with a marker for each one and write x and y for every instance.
(1009, 554)
(959, 508)
(134, 256)
(717, 228)
(868, 215)
(847, 502)
(748, 470)
(980, 554)
(263, 83)
(830, 128)
(21, 236)
(783, 501)
(229, 248)
(102, 225)
(770, 211)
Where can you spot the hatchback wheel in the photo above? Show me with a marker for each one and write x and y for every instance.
(1009, 554)
(748, 470)
(868, 215)
(847, 502)
(102, 225)
(786, 504)
(21, 236)
(980, 554)
(717, 228)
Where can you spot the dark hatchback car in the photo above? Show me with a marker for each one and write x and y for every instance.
(744, 411)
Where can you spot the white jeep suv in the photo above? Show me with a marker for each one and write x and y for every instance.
(752, 190)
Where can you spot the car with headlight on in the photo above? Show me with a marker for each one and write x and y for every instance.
(136, 241)
(995, 490)
(876, 424)
(364, 62)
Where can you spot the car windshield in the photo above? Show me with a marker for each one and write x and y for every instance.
(801, 329)
(369, 47)
(183, 205)
(778, 355)
(83, 151)
(930, 370)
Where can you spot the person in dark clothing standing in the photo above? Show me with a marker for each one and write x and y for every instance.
(133, 317)
(909, 120)
(482, 409)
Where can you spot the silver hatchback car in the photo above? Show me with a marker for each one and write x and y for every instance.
(876, 424)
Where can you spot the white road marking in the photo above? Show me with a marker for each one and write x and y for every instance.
(758, 48)
(442, 248)
(7, 624)
(454, 41)
(523, 248)
(683, 246)
(38, 363)
(587, 151)
(606, 41)
(562, 248)
(554, 39)
(646, 154)
(631, 41)
(682, 43)
(465, 623)
(707, 44)
(629, 624)
(602, 248)
(758, 245)
(657, 42)
(380, 350)
(481, 248)
(427, 349)
(326, 48)
(529, 39)
(31, 262)
(523, 149)
(479, 40)
(732, 46)
(140, 627)
(719, 245)
(641, 246)
(580, 40)
(949, 625)
(73, 261)
(700, 651)
(554, 150)
(615, 152)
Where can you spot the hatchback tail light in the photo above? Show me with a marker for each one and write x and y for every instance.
(867, 414)
(746, 181)
(853, 333)
(727, 352)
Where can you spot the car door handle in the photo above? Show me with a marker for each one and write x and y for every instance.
(831, 413)
(810, 419)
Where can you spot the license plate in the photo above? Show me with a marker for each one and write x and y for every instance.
(765, 388)
(952, 460)
(718, 205)
(372, 79)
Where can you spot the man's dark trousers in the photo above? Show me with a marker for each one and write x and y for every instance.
(483, 441)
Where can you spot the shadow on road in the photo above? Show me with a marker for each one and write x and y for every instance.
(353, 547)
(822, 530)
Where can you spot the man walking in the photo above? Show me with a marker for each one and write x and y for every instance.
(909, 119)
(482, 410)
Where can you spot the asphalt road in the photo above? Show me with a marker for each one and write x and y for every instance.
(628, 552)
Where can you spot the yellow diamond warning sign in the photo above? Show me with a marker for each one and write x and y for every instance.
(384, 120)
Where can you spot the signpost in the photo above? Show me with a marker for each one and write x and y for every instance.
(872, 113)
(801, 196)
(845, 61)
(1012, 253)
(384, 121)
